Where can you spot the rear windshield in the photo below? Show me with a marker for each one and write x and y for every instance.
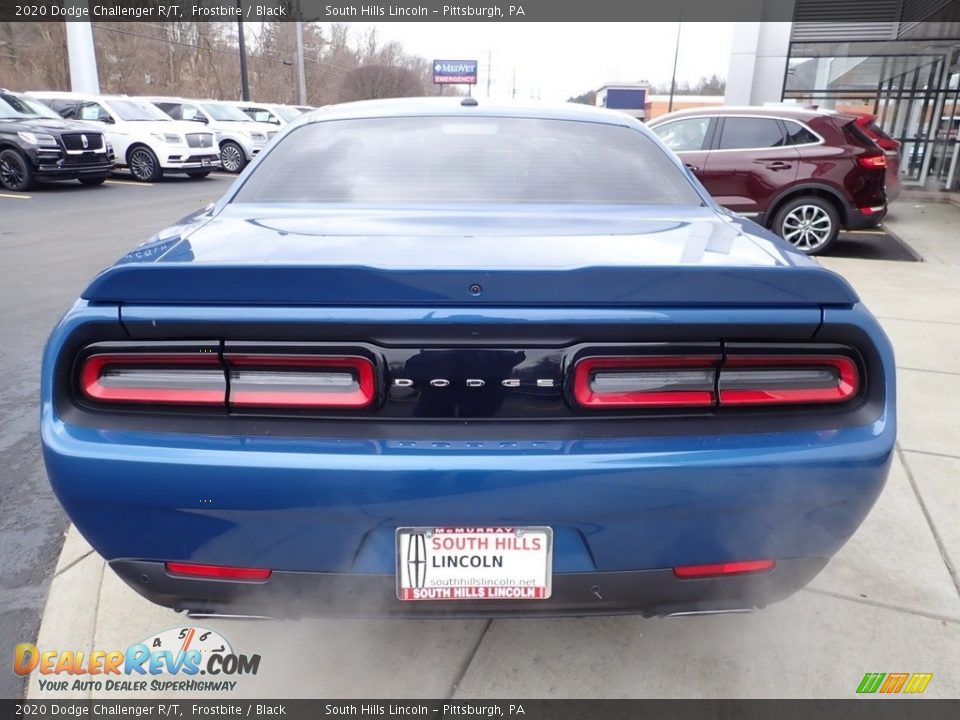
(438, 160)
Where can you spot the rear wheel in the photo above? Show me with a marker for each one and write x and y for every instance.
(809, 223)
(93, 180)
(144, 165)
(15, 172)
(198, 173)
(232, 157)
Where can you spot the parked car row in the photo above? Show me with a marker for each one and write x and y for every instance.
(36, 143)
(150, 136)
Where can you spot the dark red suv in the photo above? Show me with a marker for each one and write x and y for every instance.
(805, 174)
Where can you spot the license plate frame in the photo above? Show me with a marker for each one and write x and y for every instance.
(521, 549)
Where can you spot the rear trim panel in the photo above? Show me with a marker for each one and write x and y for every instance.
(299, 594)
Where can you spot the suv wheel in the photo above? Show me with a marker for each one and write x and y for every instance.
(809, 223)
(15, 172)
(144, 164)
(232, 157)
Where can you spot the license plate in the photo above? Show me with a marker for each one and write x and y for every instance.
(487, 563)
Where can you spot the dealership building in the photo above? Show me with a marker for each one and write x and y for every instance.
(896, 59)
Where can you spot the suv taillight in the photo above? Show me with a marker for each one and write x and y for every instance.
(872, 161)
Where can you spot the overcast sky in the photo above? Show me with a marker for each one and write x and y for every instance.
(557, 60)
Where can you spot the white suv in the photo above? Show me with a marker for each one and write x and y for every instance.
(239, 137)
(144, 139)
(276, 115)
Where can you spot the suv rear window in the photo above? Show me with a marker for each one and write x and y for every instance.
(746, 133)
(441, 160)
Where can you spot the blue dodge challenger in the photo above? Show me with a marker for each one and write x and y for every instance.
(438, 357)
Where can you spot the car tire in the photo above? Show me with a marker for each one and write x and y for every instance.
(93, 180)
(232, 157)
(143, 164)
(809, 223)
(198, 173)
(15, 171)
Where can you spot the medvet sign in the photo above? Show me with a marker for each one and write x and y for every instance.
(455, 72)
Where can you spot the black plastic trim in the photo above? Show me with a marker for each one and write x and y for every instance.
(305, 594)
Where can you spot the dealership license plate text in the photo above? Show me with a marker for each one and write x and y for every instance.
(471, 563)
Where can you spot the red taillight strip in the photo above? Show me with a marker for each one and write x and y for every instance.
(92, 372)
(722, 569)
(587, 396)
(873, 162)
(845, 387)
(218, 572)
(360, 397)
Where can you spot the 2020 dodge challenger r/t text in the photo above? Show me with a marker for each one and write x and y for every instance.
(433, 358)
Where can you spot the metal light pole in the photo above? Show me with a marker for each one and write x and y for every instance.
(301, 77)
(244, 83)
(83, 59)
(673, 77)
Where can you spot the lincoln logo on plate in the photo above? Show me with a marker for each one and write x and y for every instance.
(417, 559)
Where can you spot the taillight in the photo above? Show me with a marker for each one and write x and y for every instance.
(650, 381)
(300, 381)
(872, 162)
(723, 569)
(161, 378)
(787, 379)
(217, 572)
(706, 381)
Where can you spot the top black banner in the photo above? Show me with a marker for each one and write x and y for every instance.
(418, 11)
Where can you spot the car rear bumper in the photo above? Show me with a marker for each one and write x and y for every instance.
(863, 218)
(305, 594)
(330, 508)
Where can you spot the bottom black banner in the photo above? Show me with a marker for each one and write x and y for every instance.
(859, 709)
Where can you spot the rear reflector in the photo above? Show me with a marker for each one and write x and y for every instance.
(301, 381)
(178, 379)
(721, 569)
(787, 379)
(872, 161)
(217, 572)
(651, 381)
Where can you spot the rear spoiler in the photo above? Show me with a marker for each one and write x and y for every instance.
(654, 286)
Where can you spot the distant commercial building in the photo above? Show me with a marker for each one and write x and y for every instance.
(627, 98)
(896, 59)
(635, 100)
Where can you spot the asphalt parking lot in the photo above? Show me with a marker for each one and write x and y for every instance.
(889, 602)
(52, 241)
